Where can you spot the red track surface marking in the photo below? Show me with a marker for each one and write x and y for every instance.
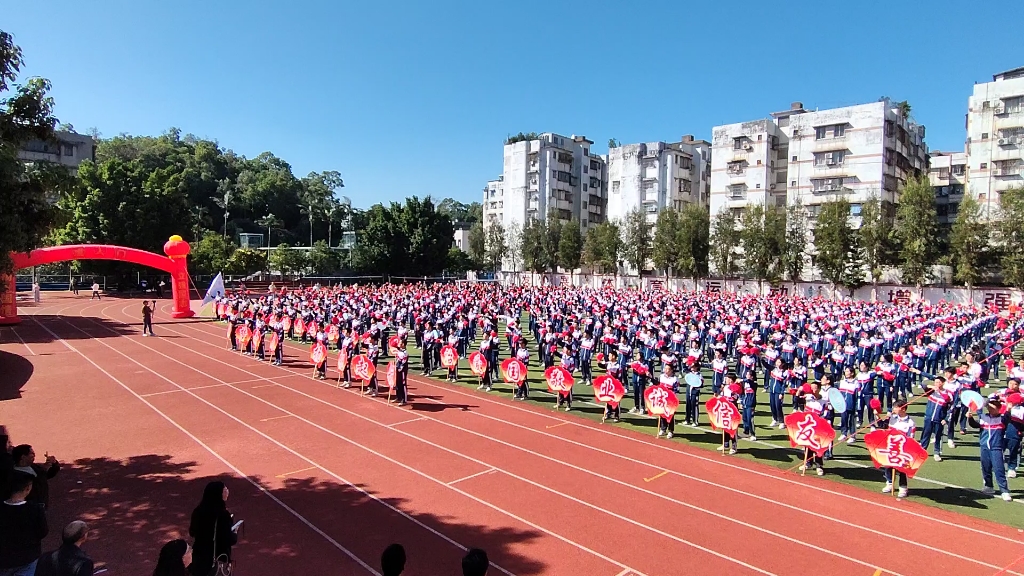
(303, 434)
(830, 502)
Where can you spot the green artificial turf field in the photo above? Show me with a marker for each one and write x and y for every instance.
(954, 484)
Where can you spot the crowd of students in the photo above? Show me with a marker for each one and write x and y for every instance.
(786, 351)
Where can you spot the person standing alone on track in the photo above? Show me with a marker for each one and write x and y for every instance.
(147, 318)
(95, 291)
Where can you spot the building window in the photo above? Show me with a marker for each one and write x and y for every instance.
(794, 158)
(737, 143)
(984, 165)
(759, 137)
(584, 223)
(586, 169)
(834, 158)
(615, 186)
(958, 169)
(69, 149)
(792, 182)
(584, 186)
(584, 204)
(855, 209)
(827, 184)
(834, 131)
(984, 135)
(758, 162)
(758, 186)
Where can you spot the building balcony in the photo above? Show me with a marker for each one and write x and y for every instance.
(563, 204)
(650, 198)
(1000, 153)
(533, 167)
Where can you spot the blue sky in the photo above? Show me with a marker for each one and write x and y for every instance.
(410, 97)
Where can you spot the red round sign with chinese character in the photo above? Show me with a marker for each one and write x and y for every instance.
(342, 360)
(392, 374)
(513, 371)
(333, 333)
(559, 379)
(478, 363)
(362, 368)
(243, 335)
(808, 430)
(723, 415)
(318, 354)
(661, 401)
(608, 389)
(449, 357)
(286, 324)
(393, 344)
(890, 448)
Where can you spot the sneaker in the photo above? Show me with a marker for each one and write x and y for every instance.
(782, 426)
(988, 490)
(616, 420)
(902, 493)
(938, 457)
(1011, 473)
(1006, 497)
(841, 438)
(887, 489)
(873, 428)
(851, 439)
(753, 438)
(821, 471)
(732, 451)
(487, 388)
(773, 424)
(802, 467)
(661, 433)
(951, 443)
(669, 435)
(568, 408)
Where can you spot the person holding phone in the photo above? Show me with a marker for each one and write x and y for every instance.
(213, 529)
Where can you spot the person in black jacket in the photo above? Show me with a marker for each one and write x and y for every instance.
(22, 529)
(6, 462)
(175, 557)
(211, 530)
(69, 559)
(25, 461)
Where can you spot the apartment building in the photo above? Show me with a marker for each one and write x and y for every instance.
(67, 148)
(947, 173)
(548, 175)
(995, 139)
(807, 157)
(658, 175)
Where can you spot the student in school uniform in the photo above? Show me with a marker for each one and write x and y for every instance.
(401, 375)
(693, 396)
(373, 355)
(898, 420)
(569, 363)
(667, 428)
(523, 387)
(485, 379)
(730, 393)
(815, 404)
(991, 421)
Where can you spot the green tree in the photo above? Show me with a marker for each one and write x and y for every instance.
(269, 222)
(496, 246)
(1010, 236)
(636, 240)
(836, 245)
(410, 239)
(514, 236)
(477, 244)
(323, 260)
(602, 248)
(288, 260)
(725, 239)
(26, 114)
(460, 211)
(570, 246)
(694, 241)
(534, 259)
(915, 228)
(245, 261)
(458, 262)
(667, 244)
(552, 238)
(969, 243)
(795, 244)
(875, 236)
(762, 235)
(211, 254)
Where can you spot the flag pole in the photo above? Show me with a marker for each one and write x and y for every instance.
(803, 472)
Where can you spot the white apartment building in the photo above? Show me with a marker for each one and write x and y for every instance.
(995, 139)
(658, 175)
(548, 174)
(460, 238)
(947, 173)
(806, 157)
(68, 148)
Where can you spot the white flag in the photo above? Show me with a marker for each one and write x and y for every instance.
(216, 289)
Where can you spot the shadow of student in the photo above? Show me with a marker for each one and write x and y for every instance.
(135, 505)
(16, 372)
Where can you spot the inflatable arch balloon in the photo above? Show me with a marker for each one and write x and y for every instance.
(174, 263)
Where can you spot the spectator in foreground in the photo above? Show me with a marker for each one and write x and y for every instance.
(69, 559)
(25, 461)
(22, 529)
(475, 563)
(6, 462)
(392, 561)
(211, 531)
(175, 557)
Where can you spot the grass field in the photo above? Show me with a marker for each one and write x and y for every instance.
(954, 484)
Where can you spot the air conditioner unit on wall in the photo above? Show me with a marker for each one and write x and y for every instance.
(1003, 141)
(748, 147)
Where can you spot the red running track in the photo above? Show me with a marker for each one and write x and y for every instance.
(329, 477)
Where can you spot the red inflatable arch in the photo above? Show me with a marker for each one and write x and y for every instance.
(174, 263)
